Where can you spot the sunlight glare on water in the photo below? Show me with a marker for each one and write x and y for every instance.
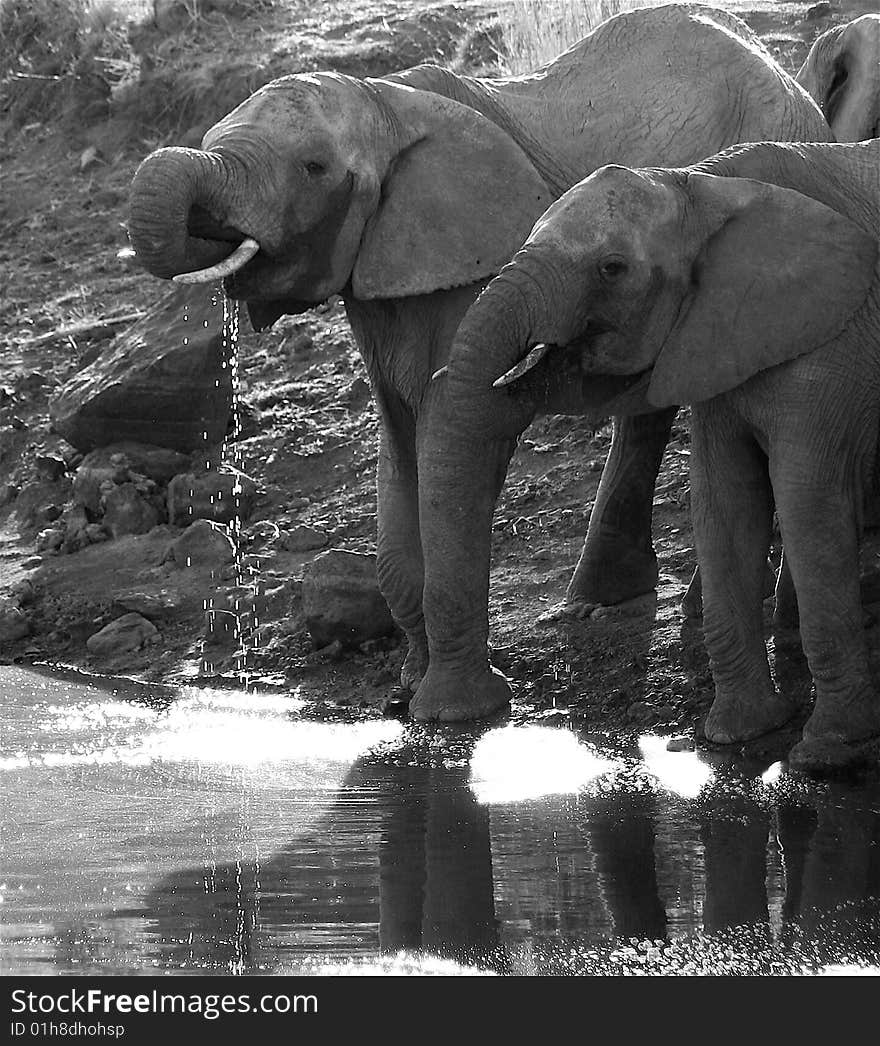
(517, 763)
(681, 773)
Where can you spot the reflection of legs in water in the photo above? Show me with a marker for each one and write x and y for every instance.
(436, 886)
(624, 848)
(459, 918)
(839, 863)
(795, 827)
(736, 871)
(402, 873)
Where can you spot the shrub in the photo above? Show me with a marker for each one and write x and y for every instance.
(534, 32)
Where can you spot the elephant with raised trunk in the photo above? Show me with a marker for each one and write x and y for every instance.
(842, 73)
(747, 286)
(406, 195)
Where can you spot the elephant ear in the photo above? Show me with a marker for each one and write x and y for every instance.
(456, 205)
(779, 275)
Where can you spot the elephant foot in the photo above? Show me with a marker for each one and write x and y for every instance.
(452, 697)
(839, 733)
(733, 719)
(612, 573)
(415, 664)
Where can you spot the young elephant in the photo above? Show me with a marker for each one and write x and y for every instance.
(747, 286)
(842, 73)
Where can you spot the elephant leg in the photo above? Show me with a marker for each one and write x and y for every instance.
(820, 535)
(399, 554)
(460, 479)
(732, 509)
(618, 561)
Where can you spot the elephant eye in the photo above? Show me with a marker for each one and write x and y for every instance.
(315, 168)
(613, 268)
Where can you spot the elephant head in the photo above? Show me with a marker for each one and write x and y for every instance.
(321, 182)
(686, 282)
(842, 73)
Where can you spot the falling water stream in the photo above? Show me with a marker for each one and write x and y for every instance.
(147, 829)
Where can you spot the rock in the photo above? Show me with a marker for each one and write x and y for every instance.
(96, 533)
(162, 382)
(146, 459)
(214, 495)
(126, 512)
(203, 545)
(151, 605)
(341, 599)
(50, 539)
(75, 523)
(819, 10)
(50, 466)
(304, 539)
(122, 636)
(13, 622)
(221, 626)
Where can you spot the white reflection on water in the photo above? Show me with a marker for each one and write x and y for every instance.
(681, 773)
(512, 764)
(207, 727)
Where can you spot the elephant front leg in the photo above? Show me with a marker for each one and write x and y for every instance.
(618, 560)
(399, 554)
(820, 536)
(459, 482)
(732, 510)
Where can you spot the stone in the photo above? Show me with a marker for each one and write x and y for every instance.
(13, 622)
(203, 545)
(221, 626)
(341, 599)
(151, 605)
(304, 539)
(157, 463)
(125, 635)
(50, 466)
(127, 512)
(216, 495)
(50, 539)
(165, 381)
(75, 523)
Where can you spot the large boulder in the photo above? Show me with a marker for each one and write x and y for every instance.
(342, 601)
(125, 635)
(164, 381)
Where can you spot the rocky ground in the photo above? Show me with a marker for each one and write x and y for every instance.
(97, 538)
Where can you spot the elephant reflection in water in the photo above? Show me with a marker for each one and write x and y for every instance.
(439, 895)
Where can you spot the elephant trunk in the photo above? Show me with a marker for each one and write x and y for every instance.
(462, 464)
(176, 212)
(501, 328)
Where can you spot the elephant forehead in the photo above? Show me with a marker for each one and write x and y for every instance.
(307, 102)
(615, 207)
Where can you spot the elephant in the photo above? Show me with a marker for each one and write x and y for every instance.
(405, 195)
(842, 74)
(748, 287)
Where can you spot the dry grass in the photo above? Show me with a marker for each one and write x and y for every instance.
(534, 32)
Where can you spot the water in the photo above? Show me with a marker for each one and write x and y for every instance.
(201, 831)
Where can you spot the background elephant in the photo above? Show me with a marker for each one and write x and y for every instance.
(405, 195)
(842, 73)
(747, 286)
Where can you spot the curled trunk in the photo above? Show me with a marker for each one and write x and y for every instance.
(176, 212)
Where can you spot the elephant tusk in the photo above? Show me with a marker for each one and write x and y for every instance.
(239, 258)
(534, 356)
(440, 373)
